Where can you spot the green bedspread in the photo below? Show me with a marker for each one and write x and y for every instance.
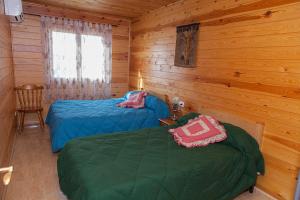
(149, 165)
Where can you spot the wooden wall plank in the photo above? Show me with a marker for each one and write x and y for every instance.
(248, 63)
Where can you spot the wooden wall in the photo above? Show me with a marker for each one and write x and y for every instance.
(28, 58)
(248, 63)
(7, 99)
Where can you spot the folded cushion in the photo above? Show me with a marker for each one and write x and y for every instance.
(200, 131)
(135, 100)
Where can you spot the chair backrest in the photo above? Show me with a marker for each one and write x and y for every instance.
(29, 96)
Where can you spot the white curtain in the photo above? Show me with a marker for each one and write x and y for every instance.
(77, 59)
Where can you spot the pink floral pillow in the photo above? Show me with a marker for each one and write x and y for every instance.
(136, 100)
(200, 131)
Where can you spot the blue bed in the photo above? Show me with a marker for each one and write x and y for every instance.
(68, 119)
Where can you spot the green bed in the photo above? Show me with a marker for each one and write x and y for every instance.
(148, 165)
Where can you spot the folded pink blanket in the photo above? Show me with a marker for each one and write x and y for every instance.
(200, 131)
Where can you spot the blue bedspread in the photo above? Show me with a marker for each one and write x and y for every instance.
(68, 119)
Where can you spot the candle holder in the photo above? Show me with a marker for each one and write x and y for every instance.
(177, 105)
(174, 116)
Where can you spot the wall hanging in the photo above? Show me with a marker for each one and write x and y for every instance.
(186, 45)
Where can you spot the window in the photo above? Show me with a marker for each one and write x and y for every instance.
(92, 56)
(79, 59)
(74, 54)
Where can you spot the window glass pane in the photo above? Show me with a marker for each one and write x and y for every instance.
(64, 55)
(92, 56)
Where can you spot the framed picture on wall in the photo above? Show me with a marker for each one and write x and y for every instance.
(186, 45)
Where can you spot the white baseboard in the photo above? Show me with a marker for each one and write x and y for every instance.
(266, 194)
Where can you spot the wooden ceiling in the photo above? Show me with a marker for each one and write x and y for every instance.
(124, 8)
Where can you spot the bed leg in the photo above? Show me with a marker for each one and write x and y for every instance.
(251, 189)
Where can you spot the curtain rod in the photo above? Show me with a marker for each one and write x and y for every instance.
(113, 25)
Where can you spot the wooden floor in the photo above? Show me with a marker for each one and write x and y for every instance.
(35, 175)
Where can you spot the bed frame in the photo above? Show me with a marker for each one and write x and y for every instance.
(254, 128)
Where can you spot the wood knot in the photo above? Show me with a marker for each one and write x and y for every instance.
(237, 74)
(268, 13)
(284, 69)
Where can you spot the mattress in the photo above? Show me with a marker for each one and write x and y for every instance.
(147, 164)
(69, 119)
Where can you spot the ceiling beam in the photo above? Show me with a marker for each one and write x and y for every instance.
(45, 10)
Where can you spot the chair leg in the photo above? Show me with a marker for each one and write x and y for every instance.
(22, 120)
(18, 122)
(40, 115)
(43, 122)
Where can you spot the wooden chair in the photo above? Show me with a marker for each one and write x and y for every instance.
(30, 101)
